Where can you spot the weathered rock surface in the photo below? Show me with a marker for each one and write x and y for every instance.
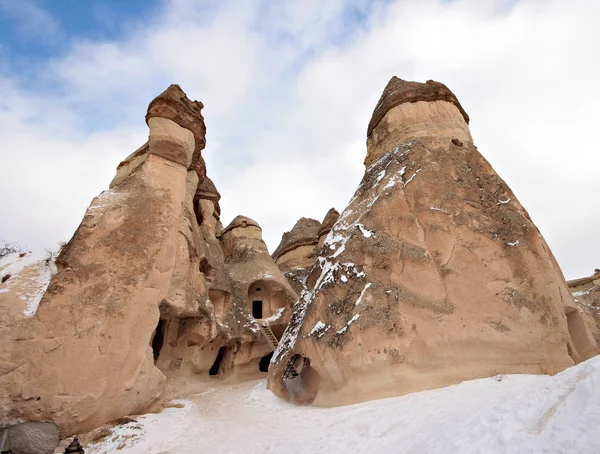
(222, 338)
(151, 298)
(330, 219)
(254, 274)
(409, 111)
(173, 104)
(297, 252)
(586, 293)
(432, 275)
(33, 438)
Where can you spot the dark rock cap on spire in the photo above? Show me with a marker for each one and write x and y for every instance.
(175, 105)
(399, 91)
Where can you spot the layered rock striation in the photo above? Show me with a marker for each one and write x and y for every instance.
(433, 274)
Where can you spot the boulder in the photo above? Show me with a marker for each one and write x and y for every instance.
(33, 438)
(432, 275)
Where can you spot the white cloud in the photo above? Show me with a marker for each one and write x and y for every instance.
(289, 89)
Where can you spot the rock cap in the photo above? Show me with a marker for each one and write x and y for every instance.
(174, 105)
(305, 232)
(208, 191)
(240, 221)
(399, 91)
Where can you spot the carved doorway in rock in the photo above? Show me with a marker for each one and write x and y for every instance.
(257, 309)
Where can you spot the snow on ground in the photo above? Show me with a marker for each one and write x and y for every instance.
(28, 275)
(503, 414)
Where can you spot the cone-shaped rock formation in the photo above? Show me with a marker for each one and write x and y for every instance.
(433, 274)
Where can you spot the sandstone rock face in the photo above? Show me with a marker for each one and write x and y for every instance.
(254, 274)
(296, 254)
(433, 274)
(330, 219)
(151, 298)
(410, 110)
(298, 250)
(586, 293)
(222, 338)
(33, 438)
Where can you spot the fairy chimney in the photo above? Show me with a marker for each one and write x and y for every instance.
(433, 274)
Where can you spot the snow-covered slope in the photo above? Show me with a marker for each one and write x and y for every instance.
(512, 414)
(27, 275)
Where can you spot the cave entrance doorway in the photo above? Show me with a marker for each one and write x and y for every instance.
(263, 365)
(214, 370)
(257, 309)
(158, 339)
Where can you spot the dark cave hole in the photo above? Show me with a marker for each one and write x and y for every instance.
(158, 338)
(5, 278)
(263, 365)
(257, 309)
(214, 370)
(197, 212)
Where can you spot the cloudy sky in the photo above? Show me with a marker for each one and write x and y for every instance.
(288, 88)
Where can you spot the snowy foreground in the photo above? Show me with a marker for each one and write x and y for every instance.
(511, 413)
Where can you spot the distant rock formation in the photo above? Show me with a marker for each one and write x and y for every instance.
(298, 250)
(296, 254)
(150, 291)
(433, 274)
(586, 293)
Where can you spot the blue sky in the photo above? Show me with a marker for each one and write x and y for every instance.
(44, 28)
(288, 89)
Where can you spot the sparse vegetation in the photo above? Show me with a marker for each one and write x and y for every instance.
(10, 248)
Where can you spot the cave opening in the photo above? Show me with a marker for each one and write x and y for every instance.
(158, 338)
(198, 212)
(257, 309)
(263, 365)
(214, 370)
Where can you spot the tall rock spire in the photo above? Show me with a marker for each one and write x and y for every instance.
(433, 274)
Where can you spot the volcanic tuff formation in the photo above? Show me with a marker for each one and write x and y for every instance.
(297, 252)
(149, 292)
(433, 274)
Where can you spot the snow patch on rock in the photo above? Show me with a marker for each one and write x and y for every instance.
(28, 275)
